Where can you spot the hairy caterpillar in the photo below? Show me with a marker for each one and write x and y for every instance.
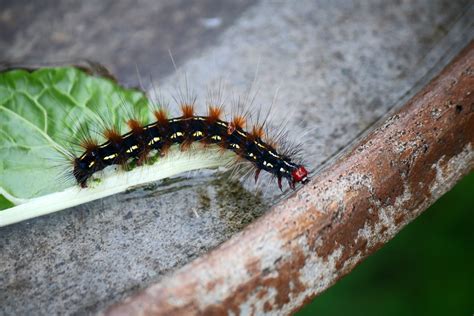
(141, 139)
(79, 124)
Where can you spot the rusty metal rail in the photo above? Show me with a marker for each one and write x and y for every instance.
(309, 241)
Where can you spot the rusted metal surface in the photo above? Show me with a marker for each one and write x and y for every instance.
(309, 241)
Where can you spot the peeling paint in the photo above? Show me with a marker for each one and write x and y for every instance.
(445, 172)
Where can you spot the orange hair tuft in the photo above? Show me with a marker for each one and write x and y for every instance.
(188, 110)
(258, 131)
(112, 135)
(214, 113)
(135, 126)
(239, 122)
(161, 116)
(89, 144)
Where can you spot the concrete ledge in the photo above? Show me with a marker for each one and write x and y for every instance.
(309, 241)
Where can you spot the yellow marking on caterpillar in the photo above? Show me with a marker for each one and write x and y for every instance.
(216, 137)
(234, 145)
(241, 133)
(253, 156)
(198, 133)
(199, 118)
(131, 149)
(222, 124)
(273, 154)
(176, 135)
(259, 145)
(91, 164)
(154, 140)
(110, 157)
(267, 164)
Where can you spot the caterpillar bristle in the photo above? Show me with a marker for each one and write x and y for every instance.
(238, 122)
(89, 144)
(135, 126)
(271, 142)
(257, 173)
(187, 110)
(186, 144)
(279, 178)
(164, 151)
(257, 132)
(161, 116)
(112, 135)
(214, 114)
(222, 148)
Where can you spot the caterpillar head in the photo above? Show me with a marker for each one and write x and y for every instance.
(295, 174)
(300, 175)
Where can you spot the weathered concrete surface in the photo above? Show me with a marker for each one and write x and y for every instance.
(307, 242)
(337, 65)
(119, 34)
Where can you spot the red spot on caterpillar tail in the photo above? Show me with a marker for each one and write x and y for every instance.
(188, 110)
(300, 175)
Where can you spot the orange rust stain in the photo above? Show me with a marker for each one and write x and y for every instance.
(344, 230)
(285, 284)
(322, 220)
(400, 218)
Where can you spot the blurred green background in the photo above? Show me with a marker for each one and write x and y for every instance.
(427, 269)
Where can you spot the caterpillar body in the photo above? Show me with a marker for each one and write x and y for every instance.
(159, 136)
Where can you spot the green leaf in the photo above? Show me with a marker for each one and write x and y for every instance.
(40, 113)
